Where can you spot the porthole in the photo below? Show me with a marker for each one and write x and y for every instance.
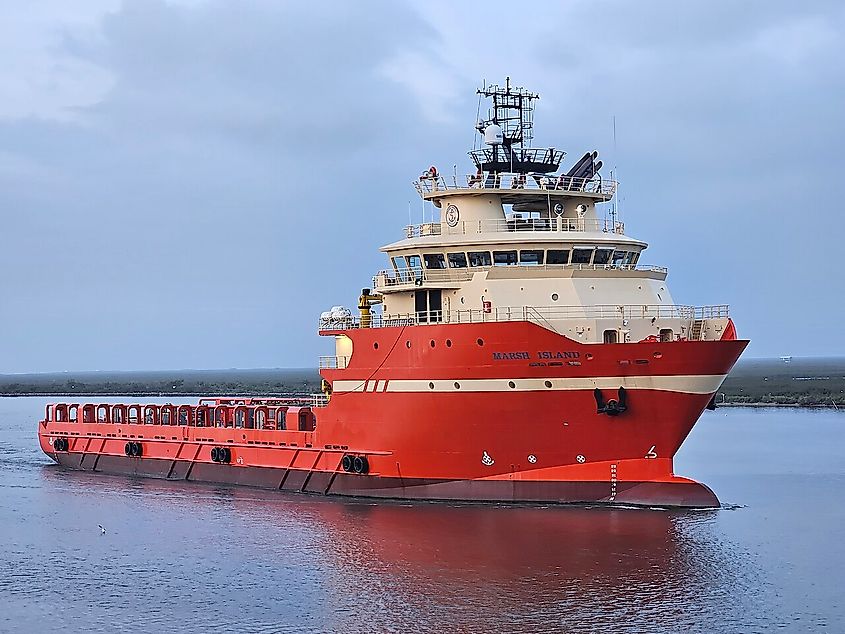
(548, 384)
(457, 385)
(658, 355)
(375, 346)
(588, 356)
(432, 343)
(480, 342)
(408, 344)
(554, 297)
(511, 384)
(431, 386)
(448, 343)
(462, 300)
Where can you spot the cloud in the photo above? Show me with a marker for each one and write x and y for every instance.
(189, 184)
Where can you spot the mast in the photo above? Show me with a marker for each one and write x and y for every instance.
(507, 131)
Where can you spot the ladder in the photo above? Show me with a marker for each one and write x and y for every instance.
(697, 333)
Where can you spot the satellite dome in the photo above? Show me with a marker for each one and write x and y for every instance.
(493, 135)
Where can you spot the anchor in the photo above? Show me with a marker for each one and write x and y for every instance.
(614, 406)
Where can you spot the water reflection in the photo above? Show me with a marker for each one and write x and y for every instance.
(382, 567)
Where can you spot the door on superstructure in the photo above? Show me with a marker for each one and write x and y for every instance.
(428, 306)
(435, 305)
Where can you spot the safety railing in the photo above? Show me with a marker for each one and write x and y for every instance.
(428, 184)
(334, 363)
(390, 278)
(512, 225)
(287, 413)
(537, 314)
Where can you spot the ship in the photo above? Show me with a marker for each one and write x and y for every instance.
(514, 350)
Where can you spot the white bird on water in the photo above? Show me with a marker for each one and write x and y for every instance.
(102, 530)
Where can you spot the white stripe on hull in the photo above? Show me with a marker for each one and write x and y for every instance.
(691, 384)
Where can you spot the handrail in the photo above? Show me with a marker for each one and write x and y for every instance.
(514, 225)
(417, 276)
(535, 314)
(334, 363)
(510, 182)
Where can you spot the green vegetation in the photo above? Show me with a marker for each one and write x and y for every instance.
(801, 382)
(176, 383)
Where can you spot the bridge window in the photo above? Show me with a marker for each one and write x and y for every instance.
(618, 258)
(479, 258)
(434, 261)
(531, 257)
(414, 262)
(399, 263)
(633, 256)
(602, 256)
(557, 256)
(582, 255)
(504, 258)
(457, 260)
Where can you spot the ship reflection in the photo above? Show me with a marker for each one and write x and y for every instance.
(422, 566)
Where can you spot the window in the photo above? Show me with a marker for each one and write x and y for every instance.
(414, 262)
(602, 256)
(618, 258)
(399, 263)
(582, 255)
(531, 257)
(632, 258)
(504, 258)
(457, 260)
(557, 256)
(479, 258)
(666, 334)
(611, 336)
(434, 261)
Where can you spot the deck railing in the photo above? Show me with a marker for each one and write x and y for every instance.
(512, 225)
(334, 363)
(390, 278)
(427, 185)
(537, 314)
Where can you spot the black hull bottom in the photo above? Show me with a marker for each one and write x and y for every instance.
(680, 494)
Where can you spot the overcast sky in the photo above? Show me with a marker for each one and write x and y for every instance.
(188, 184)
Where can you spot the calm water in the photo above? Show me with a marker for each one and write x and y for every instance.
(189, 557)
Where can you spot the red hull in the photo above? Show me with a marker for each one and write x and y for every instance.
(503, 412)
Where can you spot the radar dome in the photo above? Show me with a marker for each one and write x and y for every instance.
(493, 135)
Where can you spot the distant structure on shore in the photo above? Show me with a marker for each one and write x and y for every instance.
(786, 358)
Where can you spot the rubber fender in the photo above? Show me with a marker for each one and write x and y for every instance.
(360, 464)
(346, 463)
(225, 455)
(215, 454)
(127, 449)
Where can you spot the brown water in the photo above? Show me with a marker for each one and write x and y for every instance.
(186, 557)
